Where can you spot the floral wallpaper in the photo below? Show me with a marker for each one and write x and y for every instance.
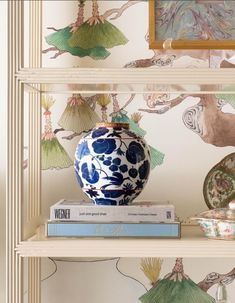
(188, 134)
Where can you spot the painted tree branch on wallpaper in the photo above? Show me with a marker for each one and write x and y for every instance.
(206, 118)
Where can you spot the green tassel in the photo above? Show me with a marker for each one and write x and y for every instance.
(121, 117)
(169, 291)
(99, 35)
(54, 155)
(156, 157)
(60, 39)
(78, 118)
(229, 98)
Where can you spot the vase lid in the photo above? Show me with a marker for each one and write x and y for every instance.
(112, 125)
(219, 214)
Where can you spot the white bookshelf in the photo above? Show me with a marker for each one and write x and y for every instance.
(26, 237)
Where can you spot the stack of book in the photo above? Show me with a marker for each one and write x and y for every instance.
(69, 218)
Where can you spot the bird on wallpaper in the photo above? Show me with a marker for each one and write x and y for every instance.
(91, 37)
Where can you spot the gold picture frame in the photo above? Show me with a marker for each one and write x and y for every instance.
(155, 43)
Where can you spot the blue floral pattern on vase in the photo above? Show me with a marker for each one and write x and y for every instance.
(112, 164)
(89, 173)
(83, 150)
(135, 152)
(99, 132)
(104, 146)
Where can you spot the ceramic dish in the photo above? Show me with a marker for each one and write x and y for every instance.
(218, 223)
(219, 184)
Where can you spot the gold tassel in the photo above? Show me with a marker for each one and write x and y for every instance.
(151, 267)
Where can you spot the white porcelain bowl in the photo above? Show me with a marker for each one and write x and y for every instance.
(218, 223)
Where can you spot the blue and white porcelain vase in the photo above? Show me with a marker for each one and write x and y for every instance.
(112, 164)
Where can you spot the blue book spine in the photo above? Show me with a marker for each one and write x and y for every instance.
(84, 229)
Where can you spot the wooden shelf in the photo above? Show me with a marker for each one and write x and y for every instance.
(192, 244)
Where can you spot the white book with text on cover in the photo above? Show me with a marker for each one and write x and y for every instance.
(142, 211)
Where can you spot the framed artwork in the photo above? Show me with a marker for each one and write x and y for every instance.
(192, 24)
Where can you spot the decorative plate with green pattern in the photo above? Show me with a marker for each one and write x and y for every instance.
(219, 184)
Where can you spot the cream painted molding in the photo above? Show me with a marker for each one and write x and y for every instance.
(123, 80)
(14, 152)
(33, 209)
(34, 163)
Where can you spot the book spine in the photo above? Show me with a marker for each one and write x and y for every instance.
(112, 213)
(146, 230)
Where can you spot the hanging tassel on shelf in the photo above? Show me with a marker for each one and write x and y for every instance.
(53, 153)
(120, 115)
(151, 267)
(97, 32)
(103, 100)
(59, 40)
(78, 116)
(176, 287)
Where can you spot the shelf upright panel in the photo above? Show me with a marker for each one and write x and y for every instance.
(33, 207)
(14, 152)
(17, 229)
(34, 163)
